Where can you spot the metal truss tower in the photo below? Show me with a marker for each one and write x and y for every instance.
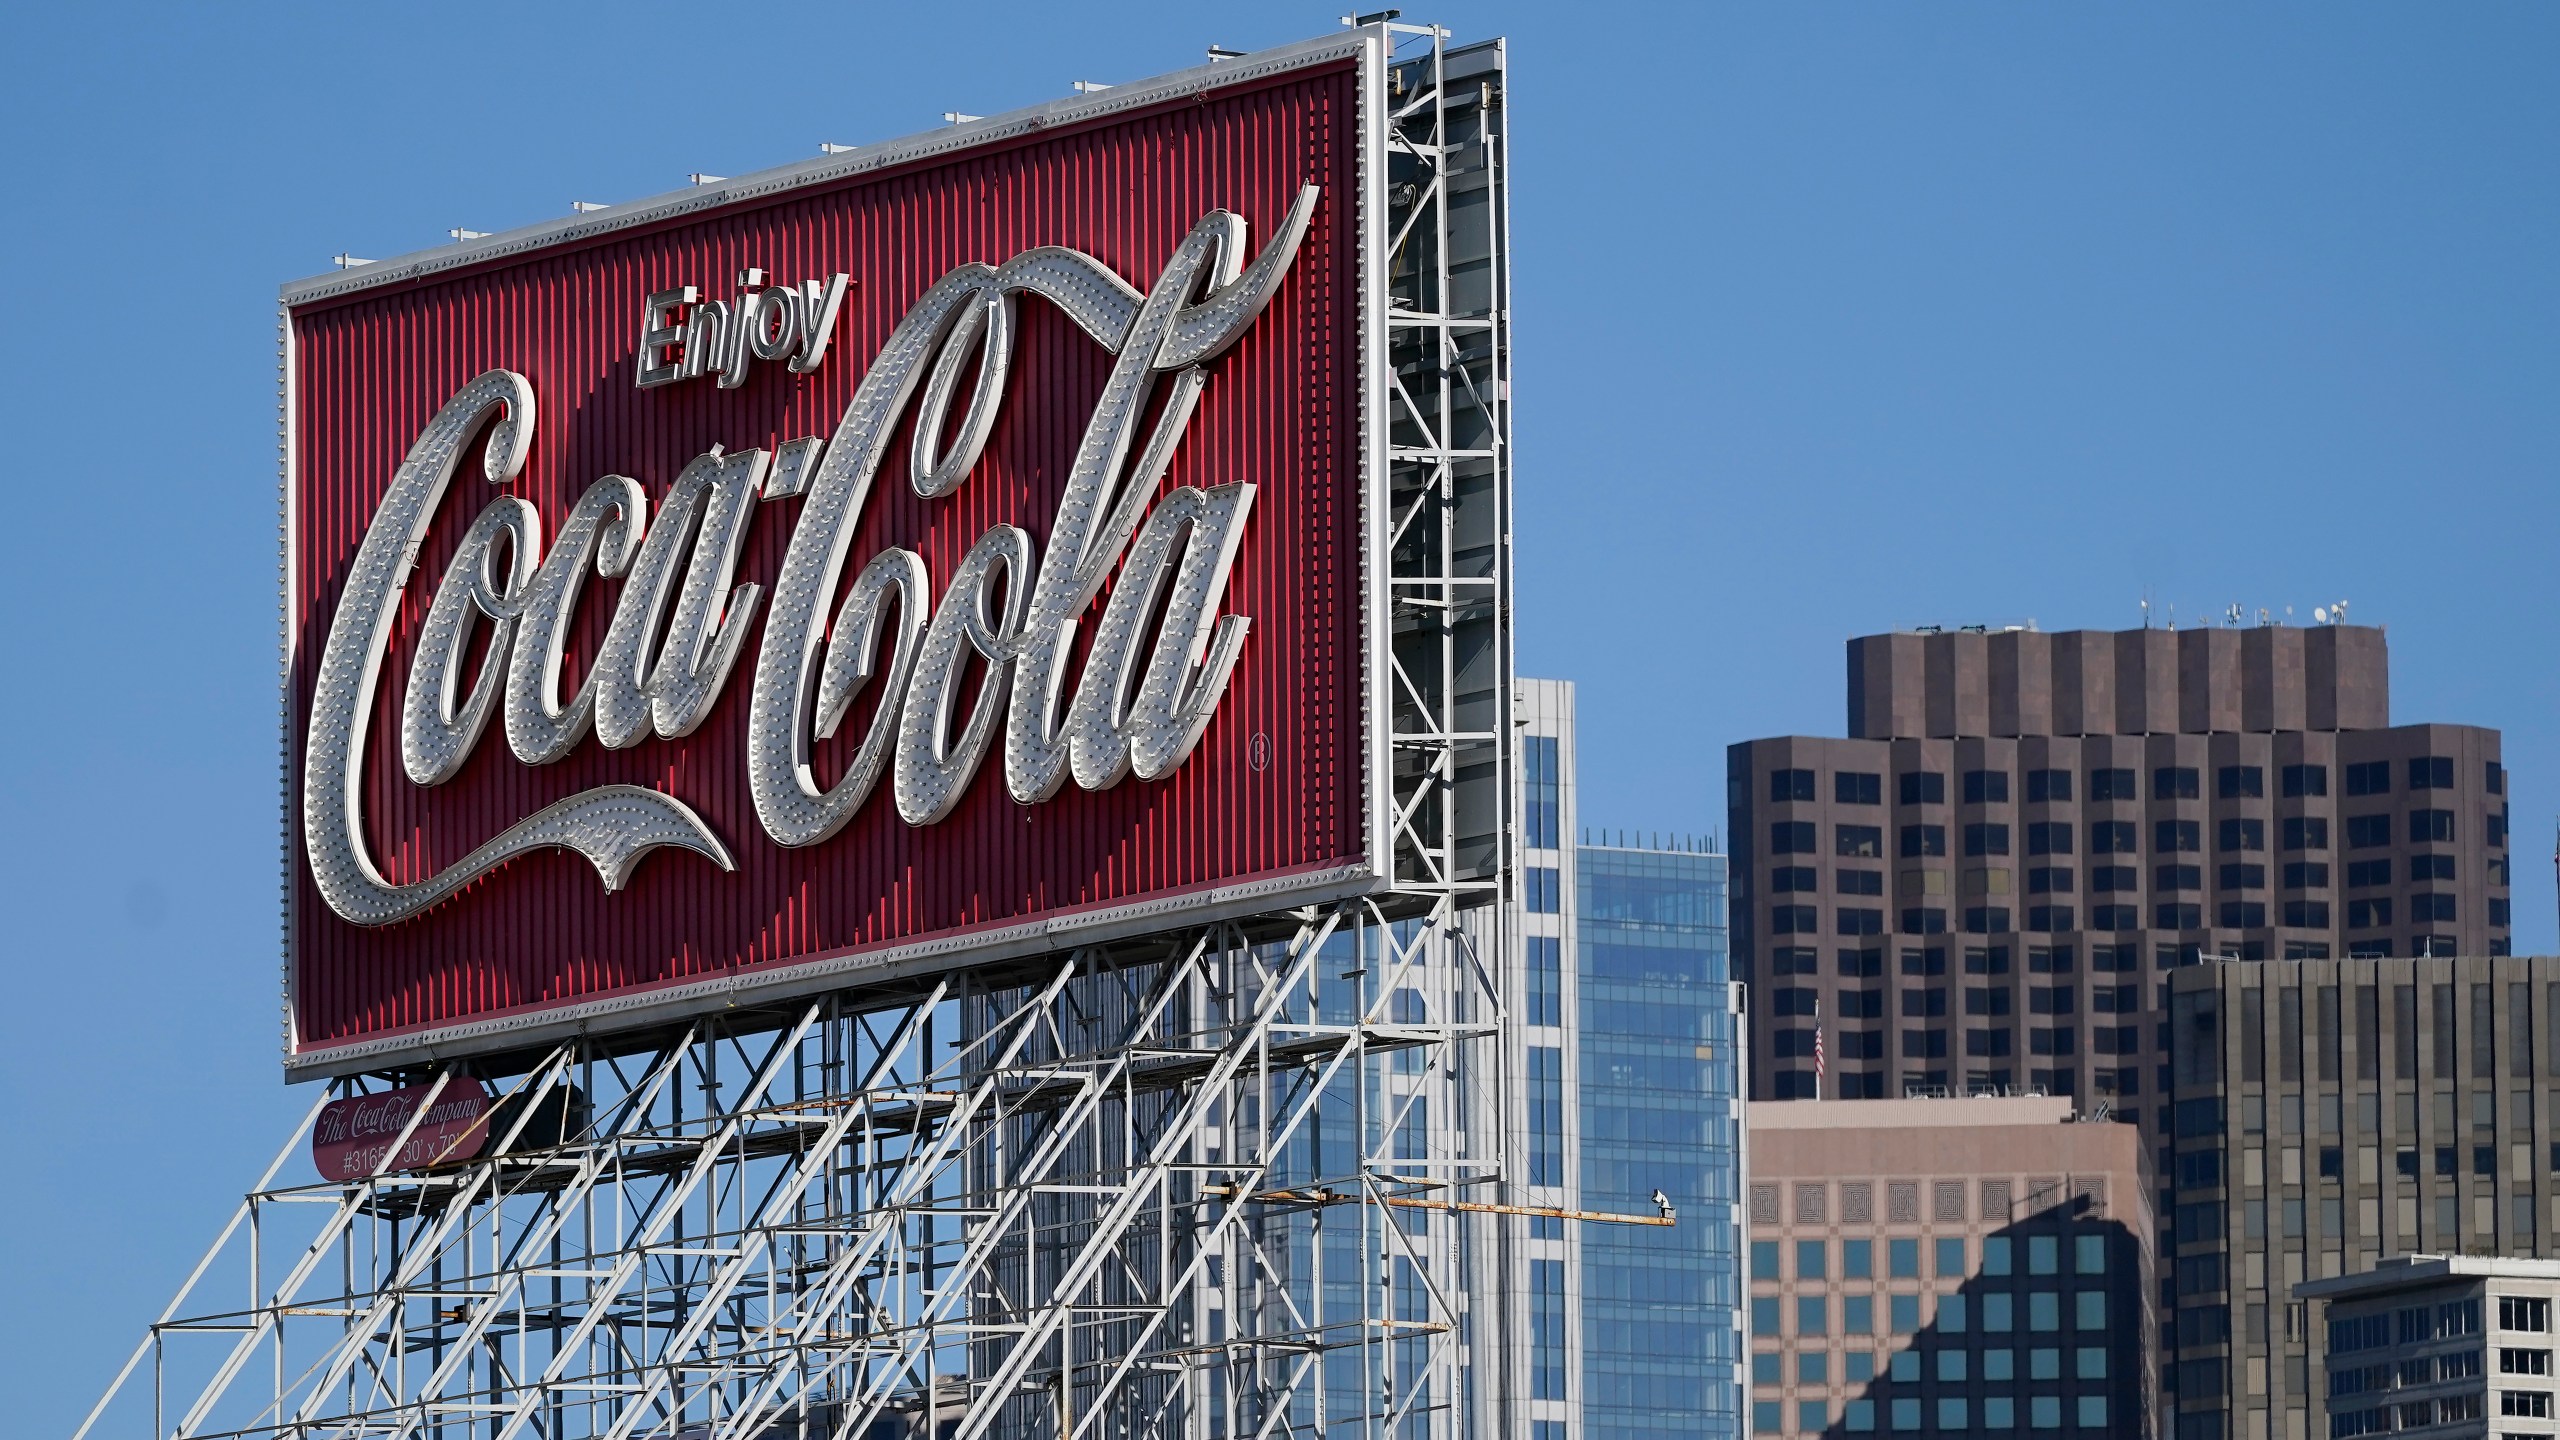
(1227, 1181)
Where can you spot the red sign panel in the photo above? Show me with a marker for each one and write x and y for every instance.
(353, 1136)
(950, 551)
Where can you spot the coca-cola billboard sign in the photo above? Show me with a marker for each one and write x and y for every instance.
(656, 640)
(432, 1125)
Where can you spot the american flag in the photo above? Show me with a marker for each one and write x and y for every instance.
(1817, 1049)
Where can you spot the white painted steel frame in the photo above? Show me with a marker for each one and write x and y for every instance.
(1129, 1189)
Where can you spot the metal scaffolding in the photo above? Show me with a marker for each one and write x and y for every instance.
(1215, 1182)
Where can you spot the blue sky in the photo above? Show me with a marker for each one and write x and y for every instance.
(1830, 318)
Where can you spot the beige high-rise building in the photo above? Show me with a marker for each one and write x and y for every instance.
(1948, 1266)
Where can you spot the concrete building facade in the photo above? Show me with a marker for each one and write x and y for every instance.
(1948, 1266)
(2328, 1115)
(1985, 884)
(2437, 1345)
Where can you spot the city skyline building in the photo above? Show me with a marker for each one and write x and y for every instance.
(2457, 1344)
(1984, 884)
(1948, 1266)
(2329, 1115)
(1631, 1043)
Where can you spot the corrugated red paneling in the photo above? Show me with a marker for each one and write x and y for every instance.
(1281, 411)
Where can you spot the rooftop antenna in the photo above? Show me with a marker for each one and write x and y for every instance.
(583, 207)
(2146, 612)
(2319, 614)
(959, 117)
(2338, 612)
(829, 147)
(460, 234)
(2233, 615)
(698, 178)
(349, 262)
(1088, 87)
(1221, 52)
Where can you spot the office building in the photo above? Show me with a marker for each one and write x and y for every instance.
(1947, 1267)
(2329, 1115)
(2447, 1345)
(1630, 1036)
(1984, 885)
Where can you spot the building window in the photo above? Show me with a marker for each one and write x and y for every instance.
(2364, 874)
(2370, 778)
(2524, 1312)
(1986, 787)
(1857, 787)
(2178, 837)
(2301, 780)
(2049, 837)
(1860, 921)
(1788, 920)
(2240, 875)
(1864, 842)
(1923, 787)
(1905, 1314)
(1859, 882)
(2523, 1362)
(2241, 834)
(1813, 1315)
(1546, 1115)
(1786, 785)
(2306, 875)
(2050, 880)
(2368, 914)
(2114, 784)
(1546, 979)
(2240, 782)
(2244, 914)
(1902, 1259)
(1923, 840)
(2365, 832)
(1764, 1266)
(1544, 887)
(2306, 914)
(1859, 1417)
(1791, 837)
(2431, 907)
(1544, 787)
(2430, 772)
(2176, 782)
(2178, 917)
(1812, 1416)
(2430, 827)
(2111, 837)
(2532, 1404)
(2093, 1412)
(2306, 832)
(1547, 1326)
(2430, 867)
(2052, 919)
(2048, 786)
(2174, 878)
(1986, 839)
(1924, 920)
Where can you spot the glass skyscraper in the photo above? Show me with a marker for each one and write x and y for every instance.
(1660, 1104)
(1628, 1033)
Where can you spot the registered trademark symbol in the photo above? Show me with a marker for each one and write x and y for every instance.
(1261, 750)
